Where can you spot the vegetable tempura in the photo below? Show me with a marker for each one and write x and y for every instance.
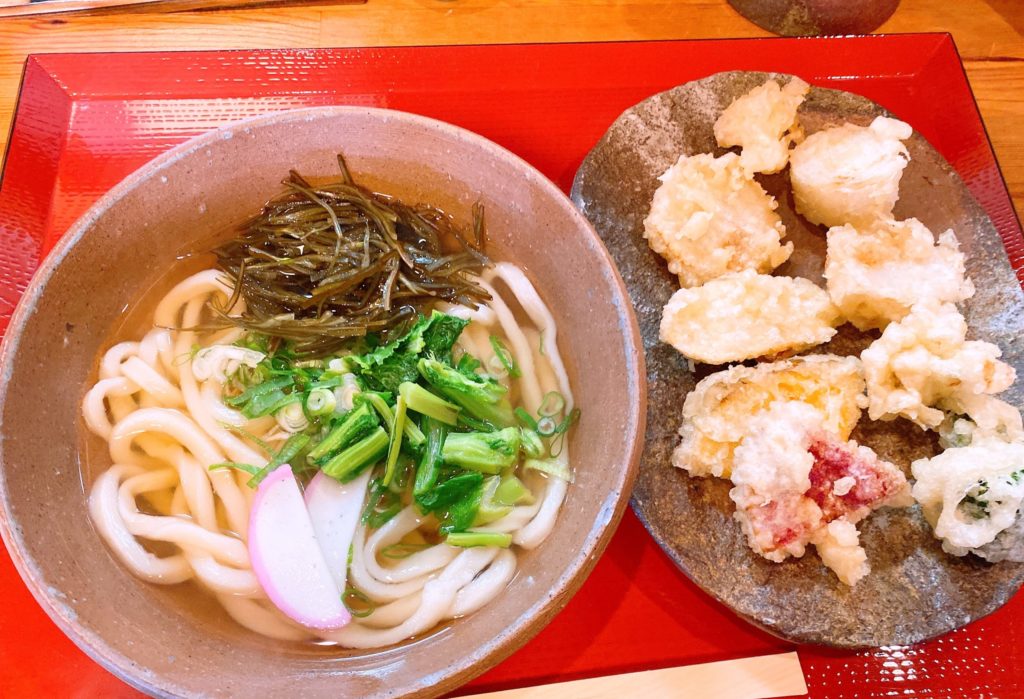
(849, 173)
(876, 273)
(746, 315)
(924, 365)
(764, 123)
(709, 218)
(717, 413)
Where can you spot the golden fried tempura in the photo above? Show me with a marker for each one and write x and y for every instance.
(923, 366)
(876, 273)
(763, 122)
(717, 413)
(709, 218)
(744, 315)
(850, 174)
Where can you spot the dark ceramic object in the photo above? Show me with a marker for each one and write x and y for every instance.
(915, 590)
(816, 17)
(154, 637)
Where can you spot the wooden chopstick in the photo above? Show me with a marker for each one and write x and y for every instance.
(17, 8)
(761, 677)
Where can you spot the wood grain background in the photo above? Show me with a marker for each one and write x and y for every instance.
(989, 34)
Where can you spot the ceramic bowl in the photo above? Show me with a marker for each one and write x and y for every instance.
(170, 641)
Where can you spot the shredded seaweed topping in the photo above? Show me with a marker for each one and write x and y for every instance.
(325, 263)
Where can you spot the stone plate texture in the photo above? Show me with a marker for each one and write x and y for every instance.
(915, 590)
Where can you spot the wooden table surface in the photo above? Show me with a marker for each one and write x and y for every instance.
(989, 34)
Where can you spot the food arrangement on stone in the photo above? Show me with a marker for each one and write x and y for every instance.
(828, 317)
(797, 482)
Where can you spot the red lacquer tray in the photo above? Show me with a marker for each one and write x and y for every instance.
(86, 121)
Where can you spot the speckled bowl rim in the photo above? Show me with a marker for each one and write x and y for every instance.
(534, 618)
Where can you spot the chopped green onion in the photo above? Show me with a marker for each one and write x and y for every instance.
(526, 418)
(357, 603)
(572, 417)
(552, 404)
(291, 417)
(546, 426)
(400, 551)
(248, 468)
(320, 402)
(476, 538)
(505, 357)
(289, 450)
(245, 434)
(397, 428)
(350, 462)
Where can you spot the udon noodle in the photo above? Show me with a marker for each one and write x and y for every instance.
(169, 518)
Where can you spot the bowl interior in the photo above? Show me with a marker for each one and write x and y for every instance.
(171, 640)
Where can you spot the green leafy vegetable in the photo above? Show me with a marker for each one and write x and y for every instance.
(449, 492)
(395, 444)
(412, 432)
(482, 398)
(467, 365)
(442, 334)
(426, 403)
(532, 445)
(355, 425)
(430, 462)
(382, 504)
(552, 467)
(512, 491)
(487, 452)
(490, 510)
(351, 461)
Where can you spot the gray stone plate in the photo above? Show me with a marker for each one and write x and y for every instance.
(915, 591)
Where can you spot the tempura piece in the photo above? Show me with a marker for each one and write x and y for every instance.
(717, 413)
(708, 218)
(850, 174)
(876, 274)
(972, 497)
(990, 417)
(744, 315)
(798, 484)
(923, 366)
(838, 546)
(763, 122)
